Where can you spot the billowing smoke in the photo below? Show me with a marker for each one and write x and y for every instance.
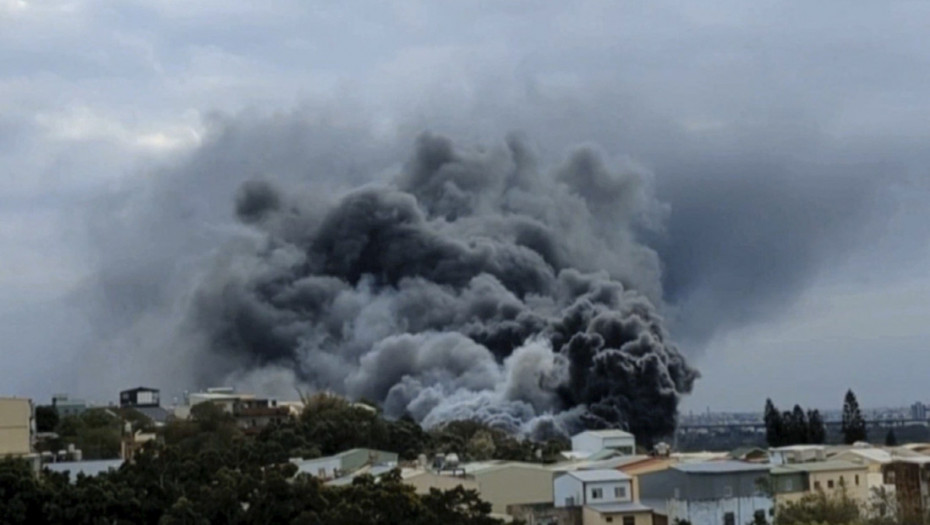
(473, 285)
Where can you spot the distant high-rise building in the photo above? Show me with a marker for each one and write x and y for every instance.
(919, 411)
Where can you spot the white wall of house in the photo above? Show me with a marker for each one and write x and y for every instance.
(608, 492)
(569, 491)
(713, 512)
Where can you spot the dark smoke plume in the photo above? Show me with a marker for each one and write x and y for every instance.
(473, 286)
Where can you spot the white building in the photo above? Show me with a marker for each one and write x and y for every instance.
(797, 454)
(585, 487)
(591, 441)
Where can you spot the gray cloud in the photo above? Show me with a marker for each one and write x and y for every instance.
(769, 135)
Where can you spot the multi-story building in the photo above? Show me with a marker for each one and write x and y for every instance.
(251, 413)
(17, 426)
(65, 406)
(147, 402)
(911, 480)
(710, 492)
(791, 482)
(919, 411)
(874, 459)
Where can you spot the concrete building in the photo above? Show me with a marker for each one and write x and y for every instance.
(712, 492)
(253, 414)
(585, 487)
(344, 463)
(17, 426)
(593, 441)
(874, 459)
(791, 482)
(919, 411)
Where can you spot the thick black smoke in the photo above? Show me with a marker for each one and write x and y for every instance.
(475, 285)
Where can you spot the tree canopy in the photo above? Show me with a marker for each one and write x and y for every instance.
(793, 427)
(853, 423)
(207, 470)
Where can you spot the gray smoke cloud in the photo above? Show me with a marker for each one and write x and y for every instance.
(473, 285)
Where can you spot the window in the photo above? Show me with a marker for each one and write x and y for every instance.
(629, 520)
(727, 491)
(759, 516)
(789, 485)
(620, 492)
(816, 485)
(609, 519)
(829, 483)
(677, 493)
(597, 493)
(729, 519)
(570, 502)
(857, 480)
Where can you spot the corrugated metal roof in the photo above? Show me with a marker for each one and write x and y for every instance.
(821, 466)
(720, 467)
(598, 475)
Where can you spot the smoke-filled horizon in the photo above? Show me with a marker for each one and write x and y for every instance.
(475, 284)
(780, 216)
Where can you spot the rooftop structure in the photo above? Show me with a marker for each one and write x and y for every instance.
(16, 426)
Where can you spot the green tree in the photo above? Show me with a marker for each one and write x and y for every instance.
(816, 431)
(800, 432)
(774, 427)
(853, 425)
(890, 439)
(481, 446)
(819, 509)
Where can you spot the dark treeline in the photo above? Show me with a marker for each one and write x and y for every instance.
(793, 427)
(797, 427)
(205, 470)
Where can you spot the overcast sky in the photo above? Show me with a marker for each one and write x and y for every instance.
(787, 139)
